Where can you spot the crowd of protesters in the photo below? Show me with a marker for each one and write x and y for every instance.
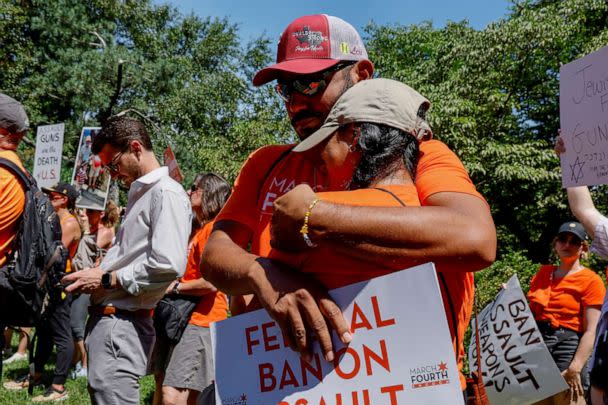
(372, 193)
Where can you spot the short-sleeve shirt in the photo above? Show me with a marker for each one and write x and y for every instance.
(562, 301)
(213, 306)
(12, 202)
(259, 184)
(255, 189)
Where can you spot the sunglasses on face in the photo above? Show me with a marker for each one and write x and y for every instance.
(308, 85)
(572, 240)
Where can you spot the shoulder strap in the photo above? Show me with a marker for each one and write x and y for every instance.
(17, 171)
(477, 343)
(391, 193)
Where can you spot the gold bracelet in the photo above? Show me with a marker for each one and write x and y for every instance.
(304, 229)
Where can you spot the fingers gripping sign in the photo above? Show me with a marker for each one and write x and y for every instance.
(301, 307)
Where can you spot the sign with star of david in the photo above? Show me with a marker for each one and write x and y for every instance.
(584, 120)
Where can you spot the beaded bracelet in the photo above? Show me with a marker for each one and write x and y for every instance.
(304, 229)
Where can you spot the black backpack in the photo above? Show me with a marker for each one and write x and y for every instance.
(30, 277)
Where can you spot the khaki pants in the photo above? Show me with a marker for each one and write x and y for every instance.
(119, 348)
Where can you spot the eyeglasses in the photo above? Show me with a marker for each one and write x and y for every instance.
(308, 85)
(113, 165)
(572, 240)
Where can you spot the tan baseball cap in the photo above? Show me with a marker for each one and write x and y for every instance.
(379, 101)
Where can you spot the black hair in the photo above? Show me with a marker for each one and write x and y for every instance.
(216, 191)
(383, 149)
(118, 132)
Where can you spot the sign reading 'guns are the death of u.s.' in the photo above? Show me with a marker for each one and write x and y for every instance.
(401, 351)
(583, 104)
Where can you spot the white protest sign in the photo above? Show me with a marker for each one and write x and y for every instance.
(47, 162)
(583, 104)
(401, 351)
(516, 366)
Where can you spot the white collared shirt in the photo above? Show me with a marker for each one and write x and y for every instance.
(151, 247)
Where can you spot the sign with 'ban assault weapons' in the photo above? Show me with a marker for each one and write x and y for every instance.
(516, 366)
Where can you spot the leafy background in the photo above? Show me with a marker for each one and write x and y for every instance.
(495, 95)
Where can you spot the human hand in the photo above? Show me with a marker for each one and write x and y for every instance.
(300, 306)
(85, 281)
(575, 386)
(559, 147)
(170, 287)
(288, 218)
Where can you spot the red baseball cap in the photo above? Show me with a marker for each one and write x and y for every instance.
(311, 44)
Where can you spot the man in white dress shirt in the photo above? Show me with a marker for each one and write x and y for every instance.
(149, 253)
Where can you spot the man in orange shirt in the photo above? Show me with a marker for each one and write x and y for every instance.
(319, 57)
(13, 126)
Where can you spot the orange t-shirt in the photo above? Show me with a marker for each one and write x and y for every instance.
(12, 202)
(213, 306)
(438, 170)
(562, 301)
(346, 269)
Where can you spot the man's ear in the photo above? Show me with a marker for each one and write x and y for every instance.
(362, 70)
(136, 147)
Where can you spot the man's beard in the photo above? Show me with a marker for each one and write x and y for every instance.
(307, 131)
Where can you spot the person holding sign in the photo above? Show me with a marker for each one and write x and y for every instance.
(565, 300)
(596, 225)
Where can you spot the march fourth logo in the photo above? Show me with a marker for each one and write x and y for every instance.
(430, 375)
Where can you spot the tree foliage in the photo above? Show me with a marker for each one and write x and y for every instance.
(495, 95)
(188, 76)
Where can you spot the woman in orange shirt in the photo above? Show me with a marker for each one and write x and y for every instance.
(184, 370)
(566, 301)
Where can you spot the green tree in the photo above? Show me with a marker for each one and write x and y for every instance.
(495, 93)
(188, 77)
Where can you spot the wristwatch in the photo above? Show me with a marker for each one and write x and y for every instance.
(106, 281)
(175, 288)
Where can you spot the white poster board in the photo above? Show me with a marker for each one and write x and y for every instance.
(90, 178)
(517, 368)
(583, 104)
(49, 147)
(401, 351)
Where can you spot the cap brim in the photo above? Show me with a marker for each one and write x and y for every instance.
(316, 138)
(47, 190)
(297, 66)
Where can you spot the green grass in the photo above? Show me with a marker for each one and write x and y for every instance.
(77, 389)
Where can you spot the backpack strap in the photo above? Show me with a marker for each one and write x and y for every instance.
(22, 176)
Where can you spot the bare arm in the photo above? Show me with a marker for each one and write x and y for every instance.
(581, 204)
(455, 225)
(197, 287)
(70, 232)
(585, 345)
